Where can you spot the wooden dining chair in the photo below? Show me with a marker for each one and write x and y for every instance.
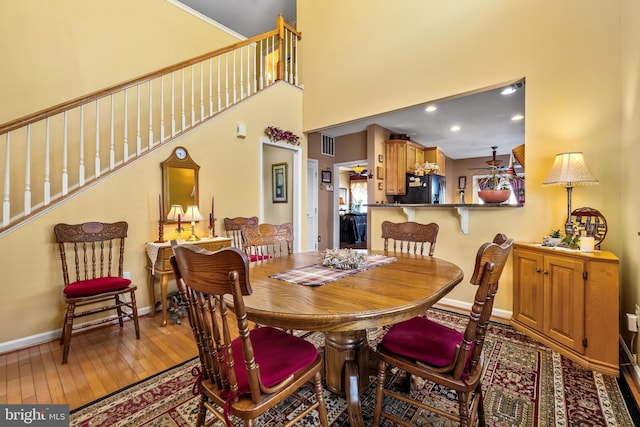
(265, 241)
(410, 236)
(442, 354)
(233, 228)
(92, 256)
(250, 374)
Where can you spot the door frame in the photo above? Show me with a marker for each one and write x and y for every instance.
(336, 195)
(296, 188)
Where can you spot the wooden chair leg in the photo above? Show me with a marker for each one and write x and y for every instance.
(481, 420)
(322, 409)
(382, 368)
(66, 332)
(134, 308)
(463, 408)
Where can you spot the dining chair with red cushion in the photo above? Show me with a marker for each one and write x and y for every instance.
(264, 241)
(410, 236)
(233, 228)
(92, 256)
(442, 354)
(247, 375)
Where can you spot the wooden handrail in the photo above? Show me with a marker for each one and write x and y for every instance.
(115, 151)
(68, 105)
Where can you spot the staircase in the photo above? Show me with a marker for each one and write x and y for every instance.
(55, 153)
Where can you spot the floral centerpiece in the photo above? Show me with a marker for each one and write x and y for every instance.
(277, 134)
(343, 259)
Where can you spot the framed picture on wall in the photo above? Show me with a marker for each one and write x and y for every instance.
(462, 182)
(279, 182)
(326, 177)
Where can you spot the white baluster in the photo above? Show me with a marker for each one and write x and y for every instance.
(241, 74)
(162, 137)
(81, 173)
(47, 168)
(138, 135)
(150, 144)
(226, 79)
(193, 94)
(210, 86)
(6, 204)
(294, 57)
(173, 104)
(235, 88)
(112, 138)
(125, 119)
(249, 70)
(287, 38)
(255, 70)
(201, 91)
(184, 116)
(261, 74)
(219, 88)
(65, 154)
(97, 159)
(27, 174)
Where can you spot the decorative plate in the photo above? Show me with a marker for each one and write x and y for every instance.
(589, 222)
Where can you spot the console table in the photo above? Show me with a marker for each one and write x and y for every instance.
(158, 266)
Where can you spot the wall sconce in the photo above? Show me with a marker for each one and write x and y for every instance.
(569, 170)
(193, 215)
(176, 214)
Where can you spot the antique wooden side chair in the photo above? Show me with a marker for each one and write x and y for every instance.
(410, 236)
(441, 354)
(92, 256)
(268, 240)
(233, 228)
(252, 373)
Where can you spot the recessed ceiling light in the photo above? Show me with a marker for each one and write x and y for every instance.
(431, 109)
(455, 128)
(508, 90)
(517, 117)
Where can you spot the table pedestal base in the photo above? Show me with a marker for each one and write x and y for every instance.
(347, 368)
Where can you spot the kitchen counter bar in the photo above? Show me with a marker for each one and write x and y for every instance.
(461, 209)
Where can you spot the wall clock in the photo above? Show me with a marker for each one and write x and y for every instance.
(181, 153)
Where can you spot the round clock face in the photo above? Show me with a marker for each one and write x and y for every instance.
(181, 153)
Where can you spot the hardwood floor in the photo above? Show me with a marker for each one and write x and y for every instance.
(101, 361)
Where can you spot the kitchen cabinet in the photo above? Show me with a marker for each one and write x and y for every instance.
(568, 300)
(402, 156)
(435, 155)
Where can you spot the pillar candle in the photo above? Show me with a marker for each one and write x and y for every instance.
(178, 222)
(586, 244)
(212, 211)
(160, 207)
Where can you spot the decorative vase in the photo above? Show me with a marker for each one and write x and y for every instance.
(494, 196)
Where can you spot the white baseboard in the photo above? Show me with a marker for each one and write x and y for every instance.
(44, 337)
(460, 307)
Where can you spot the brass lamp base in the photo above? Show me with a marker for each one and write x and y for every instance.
(193, 237)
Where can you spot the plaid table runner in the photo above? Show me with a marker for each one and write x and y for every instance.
(316, 274)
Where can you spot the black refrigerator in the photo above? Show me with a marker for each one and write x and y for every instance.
(425, 189)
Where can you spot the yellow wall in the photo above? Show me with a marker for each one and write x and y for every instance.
(364, 57)
(229, 166)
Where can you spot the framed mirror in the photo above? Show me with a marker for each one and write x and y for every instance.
(179, 180)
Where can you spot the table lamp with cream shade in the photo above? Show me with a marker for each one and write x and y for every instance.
(193, 215)
(176, 214)
(569, 170)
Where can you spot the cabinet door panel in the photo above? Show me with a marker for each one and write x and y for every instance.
(528, 289)
(564, 301)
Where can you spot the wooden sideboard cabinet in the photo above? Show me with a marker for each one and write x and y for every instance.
(569, 301)
(159, 266)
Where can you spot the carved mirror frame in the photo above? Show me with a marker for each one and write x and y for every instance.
(180, 185)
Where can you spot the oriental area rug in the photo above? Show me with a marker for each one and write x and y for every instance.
(525, 384)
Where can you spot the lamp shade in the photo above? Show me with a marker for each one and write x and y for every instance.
(192, 214)
(174, 212)
(570, 170)
(358, 169)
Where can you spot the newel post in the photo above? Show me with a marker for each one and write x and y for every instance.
(281, 35)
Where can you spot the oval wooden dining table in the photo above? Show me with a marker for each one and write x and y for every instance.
(343, 309)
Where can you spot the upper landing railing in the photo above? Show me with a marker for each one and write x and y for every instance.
(54, 153)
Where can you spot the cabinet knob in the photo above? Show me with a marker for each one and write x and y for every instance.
(537, 270)
(545, 272)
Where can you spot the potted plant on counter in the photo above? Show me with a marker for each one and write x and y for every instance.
(496, 187)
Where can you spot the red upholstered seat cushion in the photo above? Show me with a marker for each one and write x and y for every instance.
(278, 354)
(96, 286)
(253, 258)
(424, 340)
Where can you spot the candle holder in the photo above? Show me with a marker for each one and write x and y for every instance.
(160, 232)
(212, 229)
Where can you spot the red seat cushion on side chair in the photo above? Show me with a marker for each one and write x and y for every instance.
(96, 286)
(278, 353)
(424, 340)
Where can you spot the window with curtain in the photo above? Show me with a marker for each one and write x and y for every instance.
(358, 195)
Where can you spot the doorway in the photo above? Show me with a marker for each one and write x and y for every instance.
(350, 217)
